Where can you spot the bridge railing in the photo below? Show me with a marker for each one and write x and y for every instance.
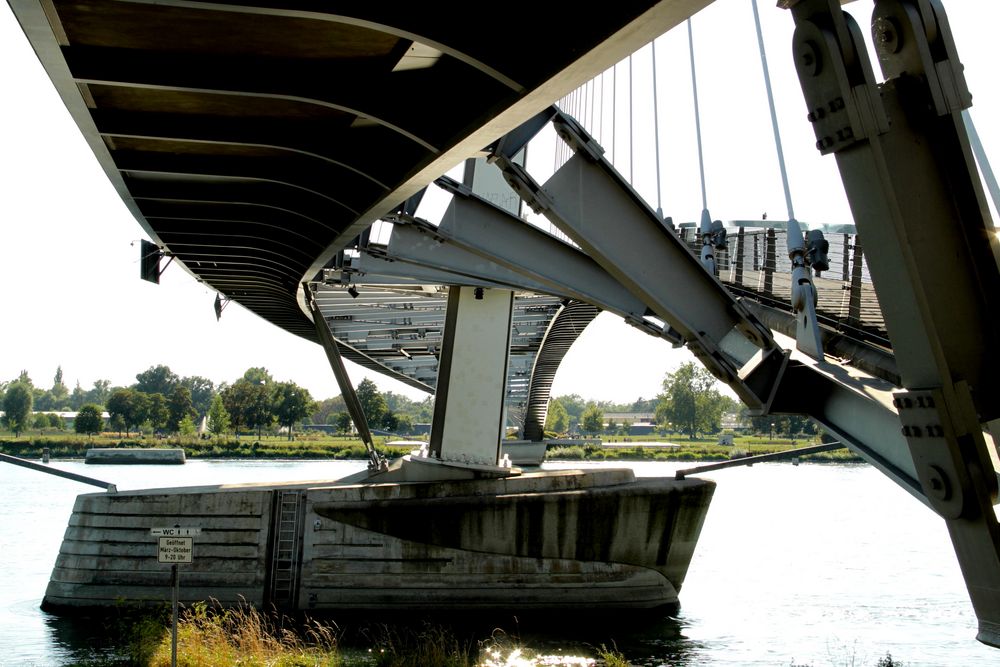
(755, 265)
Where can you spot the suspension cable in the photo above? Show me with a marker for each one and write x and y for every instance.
(697, 118)
(631, 135)
(984, 162)
(656, 136)
(601, 116)
(590, 100)
(614, 109)
(774, 115)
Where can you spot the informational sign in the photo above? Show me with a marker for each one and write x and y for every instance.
(175, 550)
(176, 531)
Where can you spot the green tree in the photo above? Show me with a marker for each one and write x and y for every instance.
(156, 380)
(157, 411)
(40, 399)
(592, 420)
(557, 419)
(575, 405)
(424, 411)
(88, 420)
(372, 402)
(258, 375)
(59, 394)
(390, 422)
(642, 405)
(77, 398)
(292, 404)
(690, 401)
(117, 423)
(218, 417)
(127, 408)
(100, 393)
(186, 426)
(242, 400)
(55, 421)
(179, 406)
(343, 422)
(261, 414)
(327, 410)
(202, 391)
(17, 402)
(404, 424)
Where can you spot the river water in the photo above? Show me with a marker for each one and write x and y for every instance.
(805, 565)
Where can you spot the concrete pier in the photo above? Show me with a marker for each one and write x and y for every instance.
(554, 539)
(135, 455)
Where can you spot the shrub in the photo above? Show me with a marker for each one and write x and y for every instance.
(428, 646)
(211, 636)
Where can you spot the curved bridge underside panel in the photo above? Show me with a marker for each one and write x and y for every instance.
(252, 140)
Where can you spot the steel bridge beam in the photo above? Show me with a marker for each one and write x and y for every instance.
(645, 256)
(648, 258)
(907, 167)
(478, 226)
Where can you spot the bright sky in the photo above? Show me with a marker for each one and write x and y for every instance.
(69, 275)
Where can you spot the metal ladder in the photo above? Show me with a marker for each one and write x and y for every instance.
(285, 552)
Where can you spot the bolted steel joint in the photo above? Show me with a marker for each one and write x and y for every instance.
(817, 249)
(887, 35)
(808, 58)
(939, 487)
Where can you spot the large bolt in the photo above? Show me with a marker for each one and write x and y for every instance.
(940, 488)
(885, 34)
(808, 58)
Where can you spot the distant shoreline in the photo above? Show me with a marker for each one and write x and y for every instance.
(67, 447)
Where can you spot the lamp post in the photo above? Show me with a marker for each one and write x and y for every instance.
(260, 410)
(772, 432)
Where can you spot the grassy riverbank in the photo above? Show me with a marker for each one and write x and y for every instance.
(209, 636)
(63, 445)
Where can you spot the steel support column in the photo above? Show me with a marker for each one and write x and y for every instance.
(375, 461)
(904, 157)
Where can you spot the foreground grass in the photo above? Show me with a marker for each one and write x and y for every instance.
(208, 637)
(214, 637)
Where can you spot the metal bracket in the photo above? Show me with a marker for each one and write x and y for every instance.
(913, 39)
(523, 184)
(839, 85)
(511, 143)
(808, 338)
(577, 138)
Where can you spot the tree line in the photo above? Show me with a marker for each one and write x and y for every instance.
(160, 401)
(690, 404)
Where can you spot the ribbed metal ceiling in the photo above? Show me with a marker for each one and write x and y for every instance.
(254, 140)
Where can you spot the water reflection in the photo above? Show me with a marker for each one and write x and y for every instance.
(87, 639)
(795, 564)
(645, 639)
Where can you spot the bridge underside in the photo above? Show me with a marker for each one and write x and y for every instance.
(254, 141)
(257, 144)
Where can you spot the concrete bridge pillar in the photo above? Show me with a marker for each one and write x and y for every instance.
(469, 406)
